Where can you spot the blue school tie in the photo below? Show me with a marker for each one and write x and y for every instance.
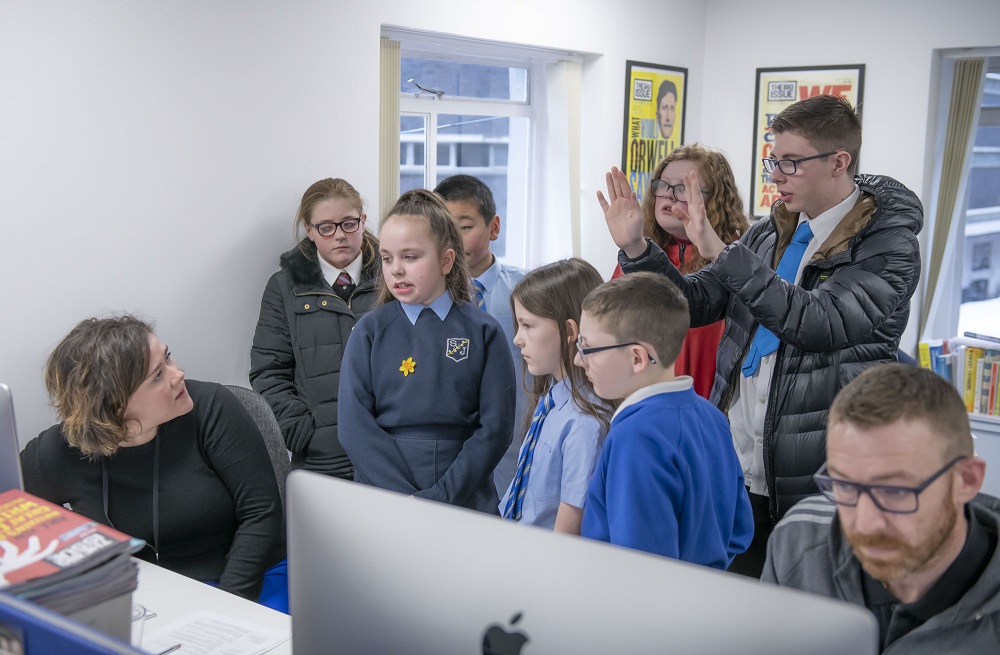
(764, 341)
(480, 290)
(520, 484)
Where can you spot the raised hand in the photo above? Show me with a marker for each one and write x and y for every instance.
(623, 214)
(695, 220)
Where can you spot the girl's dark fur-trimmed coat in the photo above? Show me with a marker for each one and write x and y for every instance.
(297, 350)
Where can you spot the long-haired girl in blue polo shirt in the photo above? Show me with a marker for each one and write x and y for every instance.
(564, 437)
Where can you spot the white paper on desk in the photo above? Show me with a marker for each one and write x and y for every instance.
(205, 633)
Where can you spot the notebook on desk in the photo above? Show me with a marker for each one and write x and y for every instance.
(10, 449)
(372, 571)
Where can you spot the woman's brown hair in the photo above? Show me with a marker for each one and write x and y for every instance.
(90, 377)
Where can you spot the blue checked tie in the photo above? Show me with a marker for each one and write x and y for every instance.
(480, 290)
(764, 341)
(520, 484)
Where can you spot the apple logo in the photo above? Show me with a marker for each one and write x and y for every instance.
(497, 641)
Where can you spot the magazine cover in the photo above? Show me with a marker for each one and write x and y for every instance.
(655, 108)
(43, 542)
(778, 88)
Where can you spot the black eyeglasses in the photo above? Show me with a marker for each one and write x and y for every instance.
(329, 228)
(789, 166)
(596, 349)
(659, 188)
(888, 498)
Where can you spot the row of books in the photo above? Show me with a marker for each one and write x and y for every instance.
(972, 364)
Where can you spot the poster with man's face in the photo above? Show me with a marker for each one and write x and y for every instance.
(654, 119)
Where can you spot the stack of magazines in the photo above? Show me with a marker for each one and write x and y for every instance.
(59, 559)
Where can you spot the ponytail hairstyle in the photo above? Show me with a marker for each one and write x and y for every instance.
(428, 207)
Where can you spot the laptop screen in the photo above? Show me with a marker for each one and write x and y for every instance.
(10, 459)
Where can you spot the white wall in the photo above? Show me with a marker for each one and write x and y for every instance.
(895, 40)
(153, 153)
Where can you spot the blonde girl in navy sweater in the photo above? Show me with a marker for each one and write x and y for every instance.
(427, 386)
(563, 438)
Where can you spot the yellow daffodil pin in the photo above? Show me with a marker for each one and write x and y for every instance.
(407, 366)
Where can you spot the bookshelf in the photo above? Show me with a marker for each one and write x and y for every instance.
(972, 365)
(958, 361)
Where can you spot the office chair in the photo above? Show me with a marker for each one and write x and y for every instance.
(262, 415)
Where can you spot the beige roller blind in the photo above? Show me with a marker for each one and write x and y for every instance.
(388, 131)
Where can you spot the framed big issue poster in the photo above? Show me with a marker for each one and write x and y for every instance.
(778, 88)
(655, 109)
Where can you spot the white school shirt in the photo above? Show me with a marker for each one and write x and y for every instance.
(749, 407)
(331, 272)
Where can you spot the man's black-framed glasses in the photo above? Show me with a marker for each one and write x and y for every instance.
(659, 188)
(596, 349)
(789, 166)
(888, 498)
(329, 228)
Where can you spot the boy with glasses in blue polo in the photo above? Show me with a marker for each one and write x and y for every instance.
(668, 480)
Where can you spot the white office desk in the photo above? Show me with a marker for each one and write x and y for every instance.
(173, 596)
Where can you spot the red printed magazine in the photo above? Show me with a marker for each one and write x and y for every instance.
(42, 543)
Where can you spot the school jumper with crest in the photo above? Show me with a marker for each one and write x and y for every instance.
(428, 408)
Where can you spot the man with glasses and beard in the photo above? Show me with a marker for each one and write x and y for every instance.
(900, 527)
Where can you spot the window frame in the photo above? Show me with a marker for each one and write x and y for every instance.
(525, 193)
(939, 317)
(971, 221)
(430, 108)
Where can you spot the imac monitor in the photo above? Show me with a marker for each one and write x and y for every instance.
(10, 458)
(371, 571)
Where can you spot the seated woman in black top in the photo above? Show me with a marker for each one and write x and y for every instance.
(177, 463)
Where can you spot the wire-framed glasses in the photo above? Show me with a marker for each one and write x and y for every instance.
(888, 498)
(596, 349)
